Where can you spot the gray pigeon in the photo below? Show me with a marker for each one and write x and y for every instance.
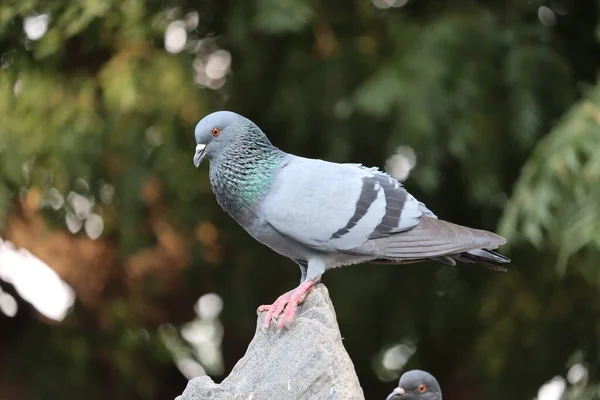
(416, 385)
(324, 215)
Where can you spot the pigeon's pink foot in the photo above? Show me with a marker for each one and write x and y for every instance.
(298, 297)
(275, 309)
(290, 302)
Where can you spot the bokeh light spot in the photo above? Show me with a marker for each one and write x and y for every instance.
(175, 37)
(552, 390)
(546, 16)
(94, 225)
(8, 305)
(35, 27)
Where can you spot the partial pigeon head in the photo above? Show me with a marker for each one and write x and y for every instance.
(215, 132)
(416, 385)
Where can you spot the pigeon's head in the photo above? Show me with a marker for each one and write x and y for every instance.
(416, 385)
(218, 130)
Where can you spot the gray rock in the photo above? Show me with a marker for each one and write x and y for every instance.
(307, 361)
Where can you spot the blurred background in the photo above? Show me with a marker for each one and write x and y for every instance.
(120, 276)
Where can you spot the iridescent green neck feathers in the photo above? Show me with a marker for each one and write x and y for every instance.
(242, 174)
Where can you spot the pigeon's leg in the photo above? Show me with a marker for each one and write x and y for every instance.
(298, 296)
(275, 309)
(303, 269)
(293, 298)
(316, 268)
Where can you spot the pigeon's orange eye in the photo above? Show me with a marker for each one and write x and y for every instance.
(216, 131)
(422, 388)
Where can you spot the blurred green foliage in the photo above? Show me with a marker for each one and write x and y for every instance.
(498, 101)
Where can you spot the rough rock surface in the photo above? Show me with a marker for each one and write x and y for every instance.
(307, 361)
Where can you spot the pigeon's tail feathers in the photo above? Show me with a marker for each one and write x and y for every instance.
(486, 258)
(445, 242)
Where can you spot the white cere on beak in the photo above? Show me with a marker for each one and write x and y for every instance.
(199, 154)
(397, 392)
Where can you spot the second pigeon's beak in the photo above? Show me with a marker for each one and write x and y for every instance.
(199, 154)
(396, 394)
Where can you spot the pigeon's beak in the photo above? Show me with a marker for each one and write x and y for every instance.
(199, 154)
(396, 394)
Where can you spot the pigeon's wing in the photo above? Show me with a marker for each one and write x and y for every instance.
(354, 209)
(338, 207)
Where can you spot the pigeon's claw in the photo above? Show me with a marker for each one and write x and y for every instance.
(275, 309)
(288, 301)
(298, 297)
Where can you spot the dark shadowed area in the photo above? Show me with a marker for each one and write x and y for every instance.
(120, 276)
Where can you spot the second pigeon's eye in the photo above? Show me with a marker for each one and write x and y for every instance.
(422, 388)
(216, 131)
